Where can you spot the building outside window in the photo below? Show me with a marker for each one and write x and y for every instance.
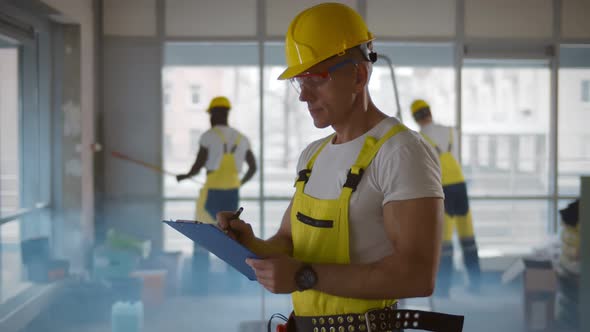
(585, 91)
(195, 94)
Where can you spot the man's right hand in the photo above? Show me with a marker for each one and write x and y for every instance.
(237, 229)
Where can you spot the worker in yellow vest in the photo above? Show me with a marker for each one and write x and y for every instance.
(222, 151)
(363, 228)
(457, 213)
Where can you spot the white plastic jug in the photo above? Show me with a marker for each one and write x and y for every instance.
(127, 317)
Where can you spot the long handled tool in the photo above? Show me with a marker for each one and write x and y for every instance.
(153, 167)
(394, 81)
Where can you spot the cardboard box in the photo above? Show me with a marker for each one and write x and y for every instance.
(539, 287)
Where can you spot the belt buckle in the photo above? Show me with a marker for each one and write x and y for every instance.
(368, 319)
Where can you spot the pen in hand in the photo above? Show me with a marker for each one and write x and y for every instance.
(236, 216)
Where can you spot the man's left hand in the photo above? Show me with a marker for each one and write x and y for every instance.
(277, 273)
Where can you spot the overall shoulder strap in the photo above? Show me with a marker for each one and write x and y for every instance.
(367, 154)
(432, 143)
(220, 134)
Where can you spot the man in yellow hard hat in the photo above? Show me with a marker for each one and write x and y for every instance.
(222, 151)
(457, 213)
(363, 228)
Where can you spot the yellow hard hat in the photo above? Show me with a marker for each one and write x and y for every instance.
(219, 101)
(321, 32)
(418, 104)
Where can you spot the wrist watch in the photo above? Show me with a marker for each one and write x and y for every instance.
(305, 278)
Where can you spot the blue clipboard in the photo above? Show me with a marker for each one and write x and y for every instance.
(217, 242)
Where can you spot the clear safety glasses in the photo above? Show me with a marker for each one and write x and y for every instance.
(314, 80)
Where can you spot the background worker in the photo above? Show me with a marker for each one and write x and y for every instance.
(364, 226)
(222, 151)
(457, 213)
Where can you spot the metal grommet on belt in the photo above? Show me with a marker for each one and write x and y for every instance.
(384, 319)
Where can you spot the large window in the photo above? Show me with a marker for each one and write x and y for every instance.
(505, 128)
(198, 72)
(11, 278)
(422, 71)
(574, 115)
(9, 133)
(505, 151)
(505, 133)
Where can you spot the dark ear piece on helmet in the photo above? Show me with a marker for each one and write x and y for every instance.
(373, 57)
(368, 54)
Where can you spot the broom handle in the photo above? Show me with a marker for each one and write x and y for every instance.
(145, 164)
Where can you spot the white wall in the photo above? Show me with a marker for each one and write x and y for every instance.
(509, 18)
(82, 12)
(417, 18)
(504, 19)
(279, 13)
(211, 18)
(129, 17)
(575, 18)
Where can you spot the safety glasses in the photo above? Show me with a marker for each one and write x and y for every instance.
(314, 80)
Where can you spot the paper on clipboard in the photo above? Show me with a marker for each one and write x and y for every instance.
(215, 241)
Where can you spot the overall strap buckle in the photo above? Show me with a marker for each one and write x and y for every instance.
(304, 175)
(353, 179)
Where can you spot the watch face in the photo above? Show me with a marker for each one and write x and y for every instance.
(306, 278)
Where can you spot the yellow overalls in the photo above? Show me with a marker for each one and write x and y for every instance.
(220, 193)
(320, 233)
(220, 183)
(457, 214)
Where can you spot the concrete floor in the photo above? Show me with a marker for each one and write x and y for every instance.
(496, 308)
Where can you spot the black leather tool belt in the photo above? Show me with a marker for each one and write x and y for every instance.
(380, 320)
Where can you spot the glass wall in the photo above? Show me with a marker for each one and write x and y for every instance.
(11, 279)
(505, 134)
(422, 71)
(506, 128)
(505, 151)
(574, 115)
(9, 133)
(193, 74)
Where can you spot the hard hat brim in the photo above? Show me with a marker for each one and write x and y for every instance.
(298, 69)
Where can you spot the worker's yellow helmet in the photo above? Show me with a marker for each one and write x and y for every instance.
(321, 32)
(219, 101)
(418, 104)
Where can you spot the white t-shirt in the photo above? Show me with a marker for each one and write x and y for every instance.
(404, 168)
(441, 136)
(214, 145)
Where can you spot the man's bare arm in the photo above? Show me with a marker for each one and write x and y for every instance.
(414, 227)
(202, 156)
(251, 161)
